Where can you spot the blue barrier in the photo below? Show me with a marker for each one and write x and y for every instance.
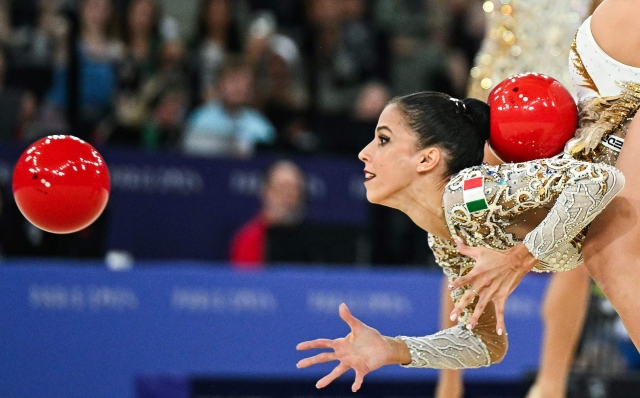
(74, 329)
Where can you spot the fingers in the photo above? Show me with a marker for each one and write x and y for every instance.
(499, 303)
(466, 298)
(346, 316)
(467, 280)
(358, 382)
(316, 359)
(464, 249)
(335, 373)
(318, 343)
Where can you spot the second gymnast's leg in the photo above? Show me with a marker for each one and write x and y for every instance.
(612, 247)
(563, 312)
(450, 383)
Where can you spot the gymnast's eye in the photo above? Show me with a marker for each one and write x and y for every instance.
(382, 140)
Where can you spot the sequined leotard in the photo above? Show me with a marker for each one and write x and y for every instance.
(518, 40)
(609, 97)
(570, 193)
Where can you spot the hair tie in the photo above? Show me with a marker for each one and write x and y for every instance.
(460, 106)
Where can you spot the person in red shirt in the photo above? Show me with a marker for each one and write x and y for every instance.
(283, 203)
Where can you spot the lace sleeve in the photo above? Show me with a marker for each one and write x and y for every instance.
(585, 189)
(457, 347)
(453, 348)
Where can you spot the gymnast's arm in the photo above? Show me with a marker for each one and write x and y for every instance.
(457, 347)
(585, 190)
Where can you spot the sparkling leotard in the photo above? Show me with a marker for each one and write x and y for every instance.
(518, 40)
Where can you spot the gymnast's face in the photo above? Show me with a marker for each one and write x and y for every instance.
(392, 161)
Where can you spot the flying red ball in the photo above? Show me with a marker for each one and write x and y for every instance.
(532, 116)
(61, 184)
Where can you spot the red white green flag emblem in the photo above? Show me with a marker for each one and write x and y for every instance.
(473, 194)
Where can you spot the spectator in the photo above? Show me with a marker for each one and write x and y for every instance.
(348, 134)
(283, 204)
(164, 127)
(153, 82)
(343, 52)
(229, 126)
(141, 58)
(6, 32)
(217, 36)
(17, 108)
(280, 83)
(98, 52)
(289, 15)
(171, 96)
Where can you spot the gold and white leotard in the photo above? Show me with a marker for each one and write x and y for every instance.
(564, 193)
(519, 40)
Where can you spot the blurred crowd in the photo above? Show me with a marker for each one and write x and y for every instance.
(225, 77)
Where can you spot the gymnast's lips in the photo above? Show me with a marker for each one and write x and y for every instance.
(368, 176)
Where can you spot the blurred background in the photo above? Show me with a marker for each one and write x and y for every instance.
(237, 220)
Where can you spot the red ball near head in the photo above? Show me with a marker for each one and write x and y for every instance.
(532, 117)
(61, 184)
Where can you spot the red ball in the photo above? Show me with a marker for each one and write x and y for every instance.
(61, 184)
(532, 117)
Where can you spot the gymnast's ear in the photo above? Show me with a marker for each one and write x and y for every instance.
(428, 159)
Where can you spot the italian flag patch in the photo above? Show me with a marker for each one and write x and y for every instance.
(473, 194)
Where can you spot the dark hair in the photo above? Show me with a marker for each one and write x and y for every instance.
(459, 127)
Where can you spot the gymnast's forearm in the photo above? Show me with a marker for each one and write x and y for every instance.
(457, 347)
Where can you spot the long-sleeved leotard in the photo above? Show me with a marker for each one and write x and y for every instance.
(565, 194)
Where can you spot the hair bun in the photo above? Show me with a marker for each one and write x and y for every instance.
(479, 112)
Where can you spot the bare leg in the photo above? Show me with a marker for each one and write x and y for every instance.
(563, 312)
(612, 247)
(450, 383)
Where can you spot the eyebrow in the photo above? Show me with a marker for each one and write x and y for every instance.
(384, 128)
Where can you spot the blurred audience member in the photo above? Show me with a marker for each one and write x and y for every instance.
(153, 83)
(371, 101)
(419, 61)
(142, 36)
(98, 53)
(229, 125)
(17, 109)
(280, 84)
(349, 133)
(407, 17)
(343, 52)
(34, 31)
(164, 127)
(288, 13)
(217, 36)
(6, 32)
(141, 59)
(283, 204)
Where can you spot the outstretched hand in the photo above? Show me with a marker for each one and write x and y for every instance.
(364, 350)
(494, 276)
